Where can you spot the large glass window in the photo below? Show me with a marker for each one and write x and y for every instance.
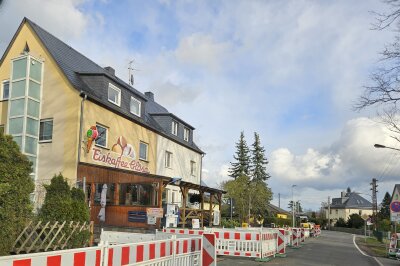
(34, 90)
(32, 126)
(46, 130)
(109, 194)
(135, 106)
(5, 90)
(102, 137)
(174, 129)
(35, 70)
(144, 194)
(19, 68)
(18, 89)
(17, 107)
(114, 94)
(30, 145)
(143, 151)
(16, 126)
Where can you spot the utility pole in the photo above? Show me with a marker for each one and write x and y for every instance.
(329, 213)
(293, 225)
(279, 197)
(374, 201)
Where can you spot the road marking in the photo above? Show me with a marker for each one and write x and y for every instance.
(354, 242)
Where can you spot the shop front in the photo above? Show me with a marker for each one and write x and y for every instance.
(129, 195)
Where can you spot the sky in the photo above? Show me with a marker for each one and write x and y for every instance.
(289, 70)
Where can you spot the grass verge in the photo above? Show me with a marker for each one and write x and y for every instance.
(371, 246)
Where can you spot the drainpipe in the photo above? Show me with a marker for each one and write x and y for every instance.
(84, 97)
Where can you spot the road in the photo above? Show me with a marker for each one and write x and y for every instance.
(331, 248)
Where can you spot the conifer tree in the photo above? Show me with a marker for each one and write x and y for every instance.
(384, 213)
(241, 166)
(258, 161)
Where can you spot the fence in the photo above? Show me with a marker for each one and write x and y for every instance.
(42, 236)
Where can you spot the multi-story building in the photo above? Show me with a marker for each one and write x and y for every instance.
(71, 116)
(348, 204)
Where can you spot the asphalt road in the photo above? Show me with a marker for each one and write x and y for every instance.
(331, 248)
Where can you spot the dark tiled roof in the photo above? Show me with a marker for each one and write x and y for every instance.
(275, 209)
(352, 200)
(76, 67)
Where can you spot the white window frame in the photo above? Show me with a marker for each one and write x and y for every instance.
(112, 87)
(186, 134)
(133, 99)
(174, 128)
(2, 89)
(193, 168)
(147, 151)
(168, 159)
(107, 129)
(45, 120)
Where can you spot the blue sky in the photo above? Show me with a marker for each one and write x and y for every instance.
(289, 70)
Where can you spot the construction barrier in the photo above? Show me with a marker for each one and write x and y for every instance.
(393, 245)
(78, 257)
(296, 234)
(302, 235)
(183, 231)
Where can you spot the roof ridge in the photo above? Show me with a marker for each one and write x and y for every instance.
(62, 42)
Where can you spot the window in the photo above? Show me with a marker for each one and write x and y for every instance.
(138, 194)
(102, 137)
(6, 90)
(174, 128)
(45, 130)
(109, 194)
(186, 133)
(192, 167)
(1, 129)
(135, 106)
(114, 94)
(173, 197)
(168, 159)
(143, 151)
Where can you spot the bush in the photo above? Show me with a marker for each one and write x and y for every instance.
(15, 188)
(355, 221)
(228, 223)
(64, 204)
(341, 223)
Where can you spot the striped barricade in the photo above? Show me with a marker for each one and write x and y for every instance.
(78, 257)
(182, 231)
(306, 232)
(281, 242)
(302, 235)
(251, 243)
(296, 234)
(160, 252)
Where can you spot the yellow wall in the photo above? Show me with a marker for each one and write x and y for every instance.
(345, 213)
(60, 101)
(117, 126)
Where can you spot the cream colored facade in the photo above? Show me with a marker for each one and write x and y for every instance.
(180, 166)
(335, 214)
(60, 101)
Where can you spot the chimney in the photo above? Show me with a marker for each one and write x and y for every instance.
(149, 95)
(110, 70)
(343, 194)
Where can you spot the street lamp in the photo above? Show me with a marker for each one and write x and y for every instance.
(293, 206)
(385, 147)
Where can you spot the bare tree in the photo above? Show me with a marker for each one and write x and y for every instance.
(384, 90)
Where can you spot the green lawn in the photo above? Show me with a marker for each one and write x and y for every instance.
(372, 246)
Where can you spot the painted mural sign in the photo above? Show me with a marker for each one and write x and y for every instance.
(122, 154)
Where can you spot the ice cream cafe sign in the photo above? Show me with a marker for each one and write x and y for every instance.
(122, 154)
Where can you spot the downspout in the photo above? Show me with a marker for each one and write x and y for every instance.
(84, 97)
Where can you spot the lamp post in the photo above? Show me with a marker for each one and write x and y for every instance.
(293, 206)
(385, 147)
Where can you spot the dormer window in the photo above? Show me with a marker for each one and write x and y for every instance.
(114, 94)
(135, 106)
(186, 134)
(174, 128)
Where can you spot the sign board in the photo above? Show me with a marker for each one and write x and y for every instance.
(151, 220)
(137, 216)
(195, 223)
(156, 212)
(395, 205)
(216, 217)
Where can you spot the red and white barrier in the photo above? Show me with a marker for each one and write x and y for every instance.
(302, 235)
(281, 241)
(183, 231)
(296, 234)
(78, 257)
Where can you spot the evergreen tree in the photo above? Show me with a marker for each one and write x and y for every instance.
(15, 188)
(258, 161)
(384, 213)
(241, 166)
